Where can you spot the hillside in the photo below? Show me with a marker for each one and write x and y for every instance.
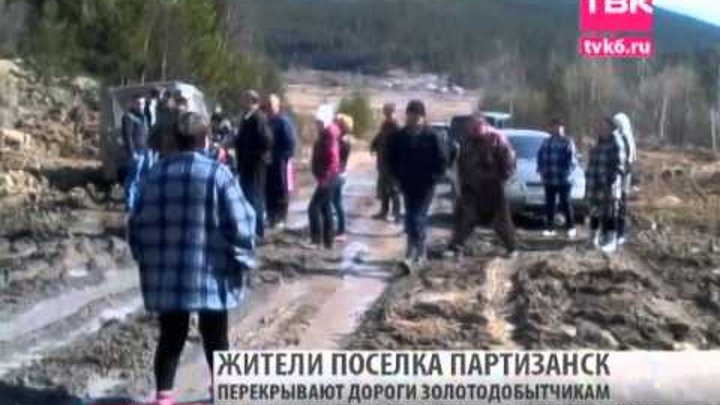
(449, 36)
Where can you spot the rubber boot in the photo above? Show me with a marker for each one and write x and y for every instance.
(421, 255)
(410, 254)
(164, 398)
(611, 244)
(595, 239)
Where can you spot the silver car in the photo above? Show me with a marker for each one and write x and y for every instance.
(525, 190)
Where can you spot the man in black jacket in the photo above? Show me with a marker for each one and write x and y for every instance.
(134, 130)
(417, 162)
(253, 151)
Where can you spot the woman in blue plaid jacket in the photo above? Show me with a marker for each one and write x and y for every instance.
(192, 234)
(604, 186)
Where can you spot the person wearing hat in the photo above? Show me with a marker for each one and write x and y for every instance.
(325, 166)
(192, 234)
(253, 153)
(417, 162)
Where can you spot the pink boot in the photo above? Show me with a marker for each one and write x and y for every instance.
(165, 398)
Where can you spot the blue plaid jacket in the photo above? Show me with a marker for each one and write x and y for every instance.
(556, 160)
(604, 174)
(192, 234)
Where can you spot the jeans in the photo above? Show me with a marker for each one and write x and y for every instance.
(139, 165)
(339, 206)
(252, 183)
(417, 207)
(174, 328)
(320, 213)
(552, 193)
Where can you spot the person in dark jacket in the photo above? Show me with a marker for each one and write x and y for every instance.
(485, 163)
(604, 185)
(346, 125)
(417, 163)
(555, 163)
(254, 147)
(387, 191)
(162, 138)
(325, 167)
(135, 137)
(283, 148)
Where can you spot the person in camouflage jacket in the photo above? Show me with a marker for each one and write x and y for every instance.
(485, 164)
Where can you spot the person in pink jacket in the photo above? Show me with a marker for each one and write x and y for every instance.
(326, 170)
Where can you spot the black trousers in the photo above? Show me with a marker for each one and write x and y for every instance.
(604, 225)
(389, 195)
(417, 207)
(622, 216)
(276, 191)
(552, 194)
(320, 213)
(174, 328)
(252, 182)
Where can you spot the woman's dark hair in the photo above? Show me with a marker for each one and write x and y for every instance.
(608, 120)
(190, 126)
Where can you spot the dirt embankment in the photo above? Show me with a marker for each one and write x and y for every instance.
(661, 292)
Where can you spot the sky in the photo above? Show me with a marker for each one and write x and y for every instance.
(706, 10)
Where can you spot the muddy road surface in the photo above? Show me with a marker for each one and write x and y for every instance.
(73, 326)
(660, 292)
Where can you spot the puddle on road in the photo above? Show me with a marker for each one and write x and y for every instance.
(55, 309)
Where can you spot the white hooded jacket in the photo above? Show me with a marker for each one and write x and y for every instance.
(624, 128)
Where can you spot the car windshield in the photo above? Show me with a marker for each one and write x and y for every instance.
(526, 146)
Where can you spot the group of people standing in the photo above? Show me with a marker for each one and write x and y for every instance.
(195, 218)
(412, 160)
(263, 145)
(608, 179)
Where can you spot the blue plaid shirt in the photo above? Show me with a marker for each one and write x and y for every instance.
(192, 234)
(556, 160)
(604, 174)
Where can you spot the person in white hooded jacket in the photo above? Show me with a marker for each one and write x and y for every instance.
(624, 132)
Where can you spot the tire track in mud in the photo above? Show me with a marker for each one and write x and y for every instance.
(496, 291)
(316, 311)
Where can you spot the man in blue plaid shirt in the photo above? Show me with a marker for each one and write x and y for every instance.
(192, 234)
(556, 161)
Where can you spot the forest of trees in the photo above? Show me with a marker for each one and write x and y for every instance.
(123, 41)
(519, 54)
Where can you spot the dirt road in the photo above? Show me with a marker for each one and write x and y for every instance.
(94, 340)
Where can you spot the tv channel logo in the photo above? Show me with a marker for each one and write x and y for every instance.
(616, 15)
